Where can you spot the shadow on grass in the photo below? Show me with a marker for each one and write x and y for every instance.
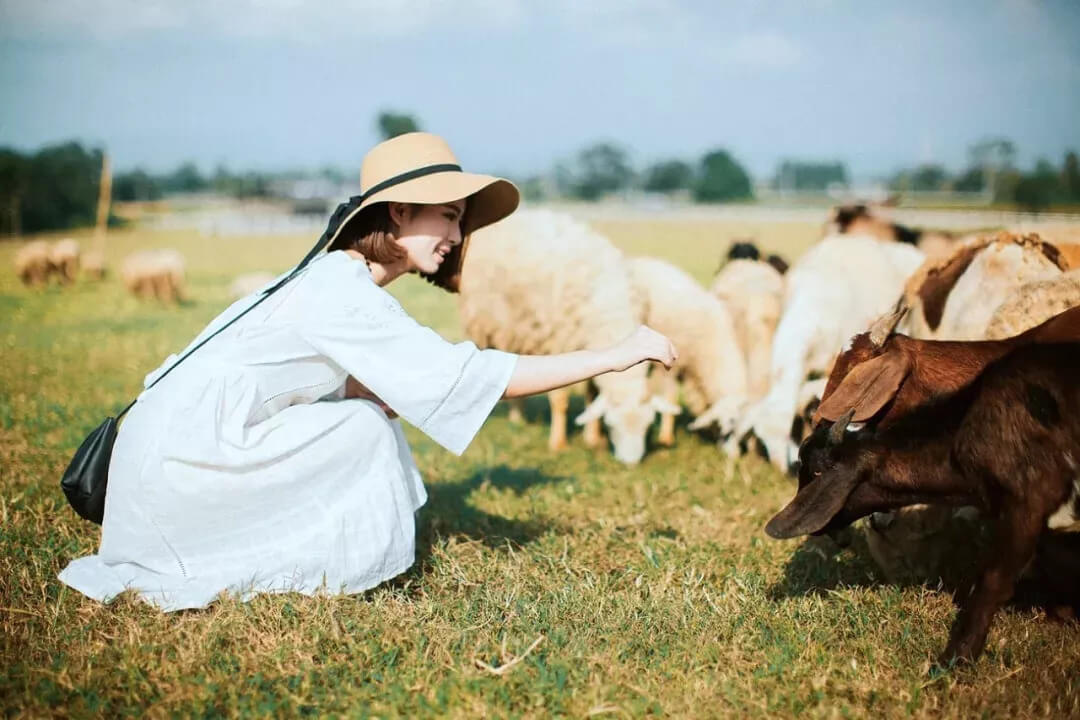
(448, 511)
(820, 565)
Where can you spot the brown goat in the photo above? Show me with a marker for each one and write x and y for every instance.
(993, 424)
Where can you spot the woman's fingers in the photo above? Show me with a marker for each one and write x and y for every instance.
(648, 344)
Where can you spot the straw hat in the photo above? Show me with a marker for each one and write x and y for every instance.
(419, 167)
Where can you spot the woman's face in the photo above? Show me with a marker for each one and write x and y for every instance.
(427, 232)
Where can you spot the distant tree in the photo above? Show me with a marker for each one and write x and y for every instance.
(800, 175)
(668, 176)
(532, 188)
(928, 178)
(61, 189)
(1003, 185)
(601, 168)
(185, 179)
(333, 174)
(996, 153)
(995, 157)
(1039, 189)
(721, 178)
(971, 180)
(13, 180)
(135, 185)
(1070, 177)
(391, 124)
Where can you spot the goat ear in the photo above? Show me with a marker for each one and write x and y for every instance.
(866, 389)
(814, 505)
(594, 411)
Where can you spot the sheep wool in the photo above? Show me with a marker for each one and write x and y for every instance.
(711, 364)
(540, 282)
(754, 293)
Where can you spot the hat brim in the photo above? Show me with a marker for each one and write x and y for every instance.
(490, 198)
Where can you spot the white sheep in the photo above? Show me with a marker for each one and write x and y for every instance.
(754, 293)
(1034, 303)
(248, 283)
(155, 273)
(955, 297)
(711, 364)
(93, 264)
(832, 293)
(32, 263)
(64, 259)
(540, 282)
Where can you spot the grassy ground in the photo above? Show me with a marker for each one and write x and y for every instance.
(545, 585)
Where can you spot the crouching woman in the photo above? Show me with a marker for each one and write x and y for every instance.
(272, 460)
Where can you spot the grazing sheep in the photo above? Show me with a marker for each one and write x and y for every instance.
(540, 282)
(248, 283)
(93, 264)
(64, 260)
(833, 292)
(993, 424)
(955, 297)
(711, 366)
(155, 273)
(858, 220)
(754, 293)
(32, 263)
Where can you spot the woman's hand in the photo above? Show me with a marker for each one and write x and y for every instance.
(540, 373)
(643, 344)
(354, 389)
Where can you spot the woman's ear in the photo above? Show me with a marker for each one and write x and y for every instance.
(399, 212)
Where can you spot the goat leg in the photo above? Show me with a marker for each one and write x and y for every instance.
(1015, 539)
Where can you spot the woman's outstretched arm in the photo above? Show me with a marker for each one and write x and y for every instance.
(540, 373)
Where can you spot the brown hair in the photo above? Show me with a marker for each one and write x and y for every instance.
(371, 233)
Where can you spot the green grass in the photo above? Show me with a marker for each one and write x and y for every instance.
(651, 590)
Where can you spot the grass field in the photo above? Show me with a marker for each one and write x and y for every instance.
(545, 585)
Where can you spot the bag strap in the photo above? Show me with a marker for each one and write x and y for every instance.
(343, 212)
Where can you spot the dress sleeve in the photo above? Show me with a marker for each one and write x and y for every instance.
(445, 389)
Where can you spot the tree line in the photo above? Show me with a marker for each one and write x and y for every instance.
(992, 170)
(56, 187)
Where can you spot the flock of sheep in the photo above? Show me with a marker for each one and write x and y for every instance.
(758, 364)
(913, 378)
(155, 273)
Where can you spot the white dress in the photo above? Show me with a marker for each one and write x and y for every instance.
(246, 471)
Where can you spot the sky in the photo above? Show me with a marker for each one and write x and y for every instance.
(518, 85)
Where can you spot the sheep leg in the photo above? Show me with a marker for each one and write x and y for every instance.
(560, 403)
(666, 436)
(594, 433)
(1014, 545)
(517, 410)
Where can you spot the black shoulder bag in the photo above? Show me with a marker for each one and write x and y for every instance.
(87, 475)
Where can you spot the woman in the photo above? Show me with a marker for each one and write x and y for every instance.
(272, 459)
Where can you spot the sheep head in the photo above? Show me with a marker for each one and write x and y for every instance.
(627, 421)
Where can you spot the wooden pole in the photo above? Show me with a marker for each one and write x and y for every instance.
(104, 199)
